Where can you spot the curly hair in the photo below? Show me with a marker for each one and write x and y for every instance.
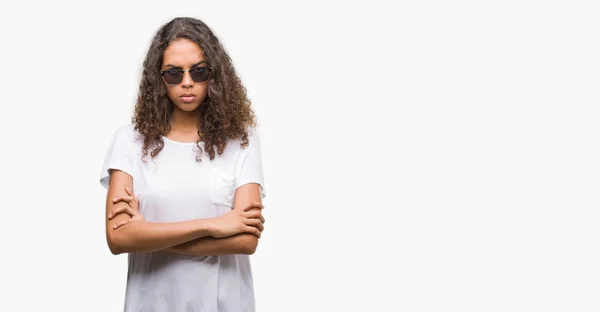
(226, 112)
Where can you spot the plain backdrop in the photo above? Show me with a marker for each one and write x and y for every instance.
(419, 155)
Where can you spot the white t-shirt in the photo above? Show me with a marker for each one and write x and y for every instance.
(174, 187)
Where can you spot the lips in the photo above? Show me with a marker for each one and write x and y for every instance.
(188, 97)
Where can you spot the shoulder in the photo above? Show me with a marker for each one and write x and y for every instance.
(253, 136)
(253, 139)
(235, 147)
(127, 133)
(127, 130)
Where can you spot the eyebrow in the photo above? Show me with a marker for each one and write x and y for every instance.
(173, 66)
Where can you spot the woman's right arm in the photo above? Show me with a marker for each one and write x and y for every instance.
(138, 235)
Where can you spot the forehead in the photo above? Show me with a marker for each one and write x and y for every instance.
(182, 52)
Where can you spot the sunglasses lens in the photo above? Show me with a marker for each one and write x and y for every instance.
(200, 74)
(173, 76)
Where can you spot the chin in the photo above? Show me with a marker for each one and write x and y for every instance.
(188, 107)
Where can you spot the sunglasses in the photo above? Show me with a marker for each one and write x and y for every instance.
(175, 75)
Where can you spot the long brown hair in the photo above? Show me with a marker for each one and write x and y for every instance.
(226, 111)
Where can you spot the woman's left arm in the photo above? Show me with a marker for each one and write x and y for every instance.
(237, 244)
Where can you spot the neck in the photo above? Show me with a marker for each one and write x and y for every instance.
(182, 121)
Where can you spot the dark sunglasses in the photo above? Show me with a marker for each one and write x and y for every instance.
(175, 75)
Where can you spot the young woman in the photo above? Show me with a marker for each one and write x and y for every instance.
(184, 179)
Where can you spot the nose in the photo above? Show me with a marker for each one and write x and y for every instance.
(187, 80)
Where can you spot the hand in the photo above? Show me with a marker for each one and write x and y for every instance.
(260, 226)
(130, 199)
(246, 220)
(131, 209)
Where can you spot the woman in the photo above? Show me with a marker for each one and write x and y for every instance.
(184, 179)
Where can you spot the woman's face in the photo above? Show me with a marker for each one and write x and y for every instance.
(183, 54)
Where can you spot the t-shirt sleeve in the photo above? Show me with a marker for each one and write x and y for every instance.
(118, 156)
(250, 168)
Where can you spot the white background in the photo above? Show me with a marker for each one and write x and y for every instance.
(427, 156)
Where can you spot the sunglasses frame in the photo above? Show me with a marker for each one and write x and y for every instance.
(162, 73)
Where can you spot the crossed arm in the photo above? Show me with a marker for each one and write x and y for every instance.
(236, 232)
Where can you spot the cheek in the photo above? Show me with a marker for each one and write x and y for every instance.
(202, 88)
(203, 91)
(170, 93)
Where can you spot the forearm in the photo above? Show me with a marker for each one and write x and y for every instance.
(143, 236)
(210, 246)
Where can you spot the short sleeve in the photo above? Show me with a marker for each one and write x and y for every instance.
(249, 167)
(118, 156)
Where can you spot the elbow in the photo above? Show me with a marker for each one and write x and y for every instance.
(249, 244)
(115, 244)
(114, 249)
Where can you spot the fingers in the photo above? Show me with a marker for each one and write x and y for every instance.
(252, 230)
(260, 227)
(252, 222)
(254, 205)
(123, 209)
(118, 225)
(255, 223)
(127, 199)
(255, 213)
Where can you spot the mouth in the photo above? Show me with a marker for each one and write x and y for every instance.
(188, 97)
